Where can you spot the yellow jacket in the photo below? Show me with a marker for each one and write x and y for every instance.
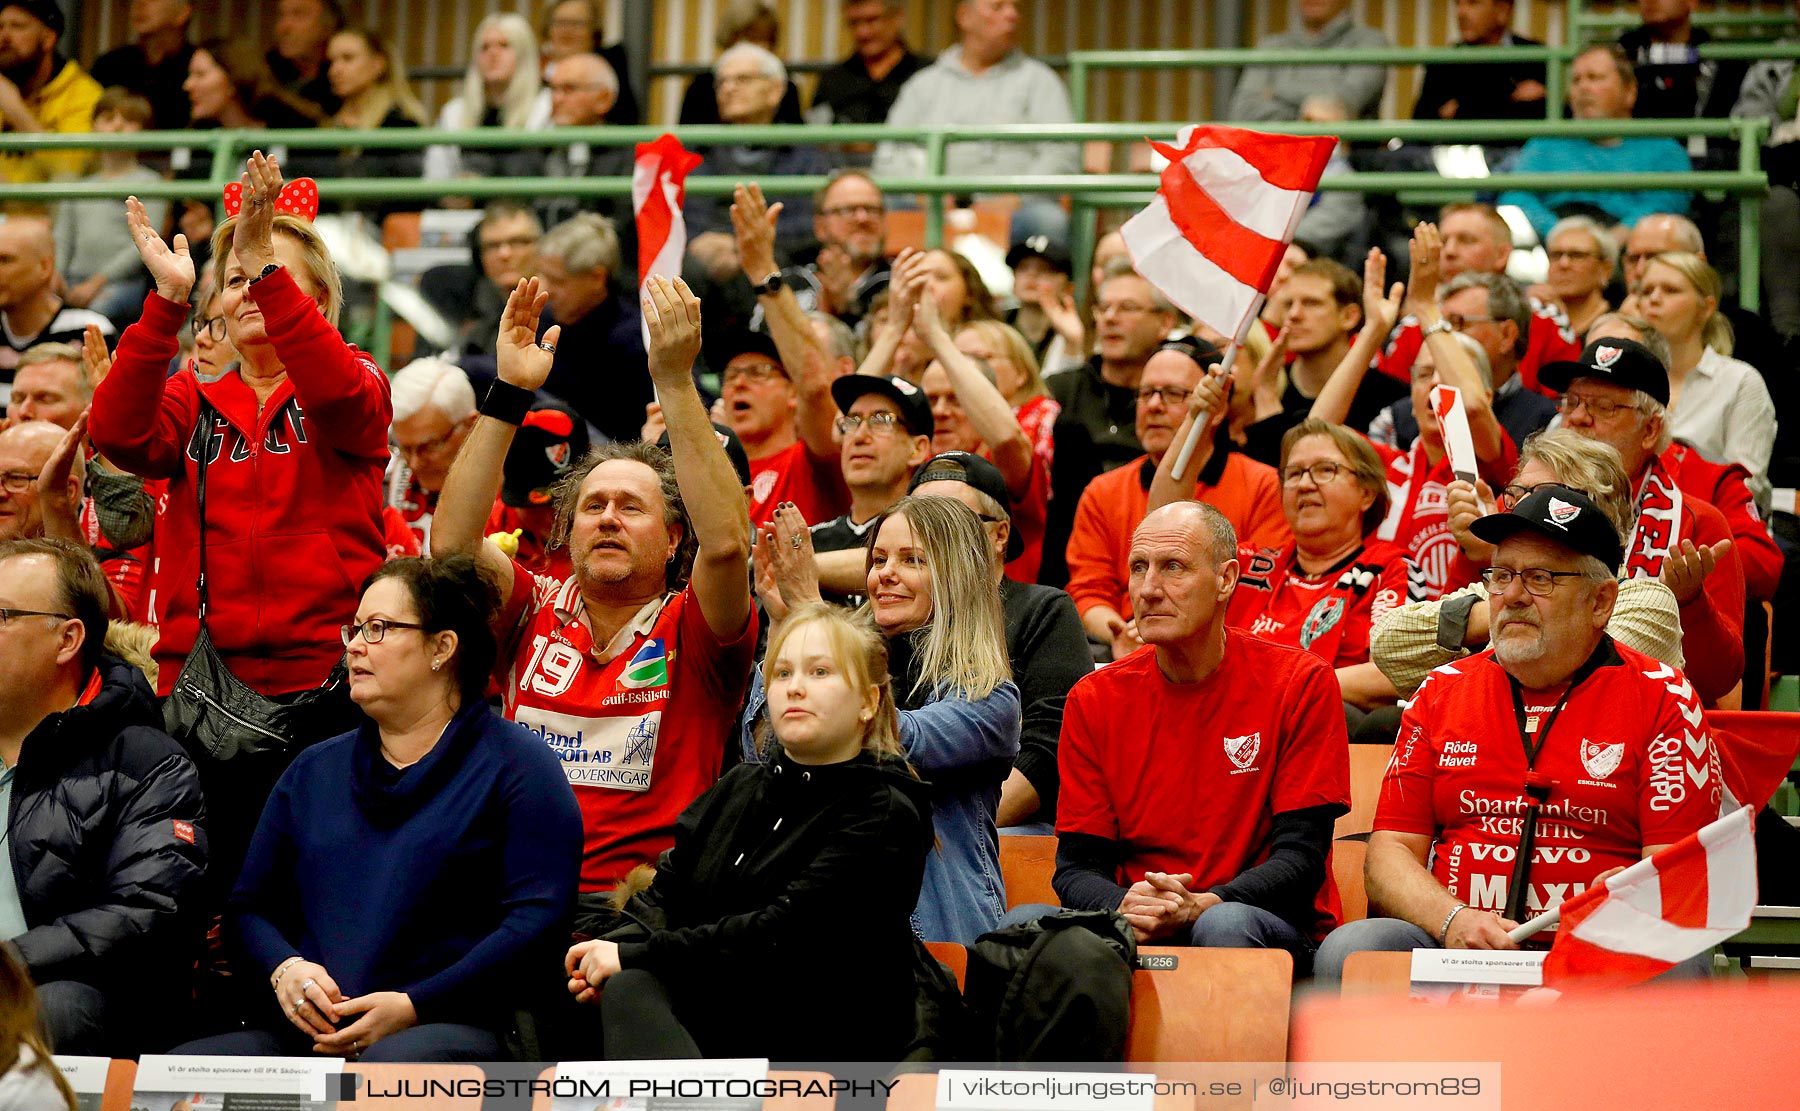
(66, 104)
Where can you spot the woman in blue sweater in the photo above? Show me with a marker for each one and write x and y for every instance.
(405, 878)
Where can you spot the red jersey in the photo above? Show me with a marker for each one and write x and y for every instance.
(1552, 340)
(793, 474)
(1418, 517)
(1328, 614)
(1028, 514)
(636, 755)
(1631, 756)
(400, 538)
(125, 570)
(1188, 777)
(1037, 419)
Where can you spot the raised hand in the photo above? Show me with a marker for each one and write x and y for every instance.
(753, 223)
(1064, 317)
(254, 240)
(1685, 570)
(1422, 285)
(1380, 312)
(520, 358)
(672, 314)
(1467, 505)
(904, 289)
(171, 268)
(96, 360)
(59, 502)
(795, 566)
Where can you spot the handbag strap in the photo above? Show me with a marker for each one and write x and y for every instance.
(208, 421)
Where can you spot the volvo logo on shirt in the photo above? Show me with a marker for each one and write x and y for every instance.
(1243, 750)
(649, 668)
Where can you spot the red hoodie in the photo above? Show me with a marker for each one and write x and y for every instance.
(293, 493)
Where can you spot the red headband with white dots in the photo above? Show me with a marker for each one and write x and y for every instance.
(299, 197)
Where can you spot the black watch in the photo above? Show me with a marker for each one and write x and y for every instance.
(769, 286)
(266, 271)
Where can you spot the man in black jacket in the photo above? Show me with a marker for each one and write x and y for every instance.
(103, 839)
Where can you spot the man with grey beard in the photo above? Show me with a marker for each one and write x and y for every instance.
(1602, 752)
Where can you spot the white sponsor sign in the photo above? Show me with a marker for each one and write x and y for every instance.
(292, 1076)
(1478, 966)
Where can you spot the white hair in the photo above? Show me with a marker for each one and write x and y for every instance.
(437, 383)
(767, 63)
(1590, 227)
(605, 76)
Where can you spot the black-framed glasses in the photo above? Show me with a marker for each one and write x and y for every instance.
(1460, 321)
(865, 211)
(7, 615)
(429, 447)
(1538, 580)
(1516, 492)
(18, 482)
(1597, 408)
(213, 326)
(1573, 256)
(752, 372)
(1322, 472)
(1171, 396)
(880, 424)
(373, 630)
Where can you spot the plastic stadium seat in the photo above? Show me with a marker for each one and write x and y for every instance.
(1367, 764)
(1026, 867)
(1214, 1005)
(953, 956)
(1347, 859)
(119, 1078)
(1387, 974)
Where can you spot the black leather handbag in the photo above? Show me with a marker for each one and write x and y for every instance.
(213, 714)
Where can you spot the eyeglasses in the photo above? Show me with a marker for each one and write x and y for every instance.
(1516, 493)
(213, 326)
(373, 630)
(429, 447)
(1121, 308)
(740, 79)
(1538, 580)
(1459, 322)
(1597, 408)
(7, 615)
(753, 372)
(516, 243)
(1322, 472)
(1168, 395)
(1638, 258)
(17, 482)
(1572, 256)
(863, 211)
(880, 424)
(563, 88)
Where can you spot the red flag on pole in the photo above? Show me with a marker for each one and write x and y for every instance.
(658, 183)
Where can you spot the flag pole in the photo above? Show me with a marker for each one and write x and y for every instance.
(1536, 925)
(1192, 443)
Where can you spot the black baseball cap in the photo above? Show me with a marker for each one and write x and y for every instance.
(972, 470)
(1051, 250)
(1569, 517)
(742, 341)
(47, 12)
(734, 451)
(549, 443)
(915, 409)
(1623, 362)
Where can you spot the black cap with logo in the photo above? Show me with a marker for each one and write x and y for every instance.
(972, 470)
(1565, 516)
(915, 409)
(734, 451)
(1623, 362)
(549, 443)
(1054, 252)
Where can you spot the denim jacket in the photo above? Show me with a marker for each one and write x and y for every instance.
(965, 750)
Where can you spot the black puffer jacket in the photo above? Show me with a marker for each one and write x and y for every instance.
(105, 840)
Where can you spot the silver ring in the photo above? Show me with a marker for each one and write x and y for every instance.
(304, 986)
(551, 347)
(299, 1003)
(796, 541)
(293, 1008)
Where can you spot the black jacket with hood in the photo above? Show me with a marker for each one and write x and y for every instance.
(105, 839)
(786, 903)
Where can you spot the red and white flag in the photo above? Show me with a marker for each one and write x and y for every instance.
(1660, 911)
(658, 187)
(1223, 216)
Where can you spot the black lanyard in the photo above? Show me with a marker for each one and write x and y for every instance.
(1543, 733)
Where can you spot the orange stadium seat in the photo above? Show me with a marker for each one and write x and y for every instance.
(1378, 974)
(953, 956)
(120, 1076)
(1367, 763)
(1214, 1005)
(1026, 866)
(1347, 859)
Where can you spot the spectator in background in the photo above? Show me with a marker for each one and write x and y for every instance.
(749, 82)
(600, 367)
(1771, 93)
(371, 84)
(1096, 430)
(1335, 221)
(41, 91)
(230, 85)
(743, 21)
(1005, 352)
(156, 64)
(584, 89)
(94, 253)
(984, 79)
(1602, 86)
(1453, 91)
(501, 88)
(1277, 92)
(1047, 316)
(303, 30)
(30, 310)
(850, 223)
(1673, 82)
(863, 88)
(472, 297)
(108, 838)
(434, 408)
(1752, 339)
(1112, 506)
(885, 435)
(572, 27)
(1583, 259)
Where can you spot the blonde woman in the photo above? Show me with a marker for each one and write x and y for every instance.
(501, 88)
(1718, 404)
(755, 955)
(1016, 373)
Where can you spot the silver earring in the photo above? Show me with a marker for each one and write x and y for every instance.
(435, 664)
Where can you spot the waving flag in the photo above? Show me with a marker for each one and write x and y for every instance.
(1223, 216)
(1660, 911)
(657, 190)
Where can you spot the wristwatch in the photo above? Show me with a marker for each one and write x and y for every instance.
(1441, 325)
(266, 271)
(769, 286)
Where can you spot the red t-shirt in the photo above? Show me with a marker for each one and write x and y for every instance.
(1631, 756)
(1328, 615)
(1418, 517)
(1188, 777)
(635, 754)
(793, 474)
(1552, 340)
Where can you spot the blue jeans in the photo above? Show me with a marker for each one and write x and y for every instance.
(1393, 935)
(1226, 926)
(431, 1043)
